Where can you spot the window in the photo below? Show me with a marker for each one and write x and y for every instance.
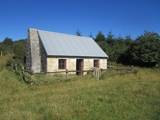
(96, 63)
(62, 64)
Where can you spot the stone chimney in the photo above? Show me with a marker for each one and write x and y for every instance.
(33, 56)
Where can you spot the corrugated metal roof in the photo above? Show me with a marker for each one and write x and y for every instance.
(60, 44)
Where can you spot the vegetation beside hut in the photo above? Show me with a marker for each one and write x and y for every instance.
(115, 96)
(118, 95)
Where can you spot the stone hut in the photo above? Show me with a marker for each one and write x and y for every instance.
(52, 52)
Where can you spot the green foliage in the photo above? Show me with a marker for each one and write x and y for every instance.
(4, 61)
(116, 48)
(16, 48)
(113, 46)
(100, 37)
(101, 40)
(8, 42)
(145, 50)
(19, 50)
(110, 39)
(6, 47)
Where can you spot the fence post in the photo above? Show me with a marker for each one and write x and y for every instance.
(93, 72)
(98, 74)
(66, 74)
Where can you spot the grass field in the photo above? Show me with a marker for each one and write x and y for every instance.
(115, 97)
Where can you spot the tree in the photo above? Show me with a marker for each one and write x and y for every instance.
(101, 40)
(145, 50)
(110, 38)
(6, 46)
(19, 50)
(8, 42)
(78, 33)
(100, 37)
(128, 40)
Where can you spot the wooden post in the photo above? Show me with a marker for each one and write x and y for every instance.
(82, 73)
(93, 72)
(66, 74)
(97, 74)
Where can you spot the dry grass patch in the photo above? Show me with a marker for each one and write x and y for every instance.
(116, 97)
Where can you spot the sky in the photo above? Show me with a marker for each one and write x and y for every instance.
(121, 17)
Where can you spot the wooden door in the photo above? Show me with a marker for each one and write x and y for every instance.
(79, 66)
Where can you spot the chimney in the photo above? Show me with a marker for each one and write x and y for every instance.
(33, 51)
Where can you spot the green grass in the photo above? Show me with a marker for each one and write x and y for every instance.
(116, 97)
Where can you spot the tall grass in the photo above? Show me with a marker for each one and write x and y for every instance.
(3, 61)
(115, 97)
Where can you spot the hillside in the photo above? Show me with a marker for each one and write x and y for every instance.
(114, 97)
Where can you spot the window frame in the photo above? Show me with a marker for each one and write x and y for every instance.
(62, 64)
(96, 63)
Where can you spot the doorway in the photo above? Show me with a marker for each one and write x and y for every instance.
(79, 66)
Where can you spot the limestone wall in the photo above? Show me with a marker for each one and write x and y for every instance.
(52, 64)
(35, 55)
(43, 57)
(103, 63)
(28, 55)
(88, 64)
(71, 64)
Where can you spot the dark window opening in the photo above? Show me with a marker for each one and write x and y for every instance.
(62, 64)
(96, 63)
(79, 66)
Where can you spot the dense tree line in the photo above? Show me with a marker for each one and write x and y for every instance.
(14, 48)
(143, 51)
